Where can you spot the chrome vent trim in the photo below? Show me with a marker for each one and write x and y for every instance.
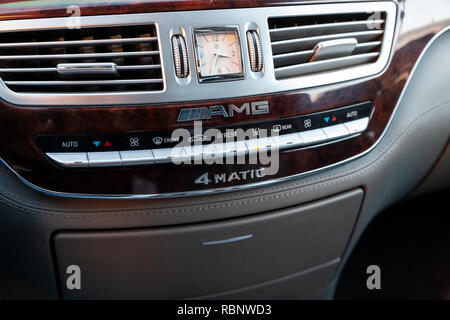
(324, 65)
(30, 60)
(296, 40)
(187, 89)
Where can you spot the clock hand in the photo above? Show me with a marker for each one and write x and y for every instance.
(221, 55)
(217, 60)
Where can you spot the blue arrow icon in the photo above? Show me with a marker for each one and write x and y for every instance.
(96, 143)
(326, 119)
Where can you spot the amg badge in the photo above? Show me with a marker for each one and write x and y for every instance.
(202, 113)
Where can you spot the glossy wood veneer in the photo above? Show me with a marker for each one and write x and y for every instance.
(14, 9)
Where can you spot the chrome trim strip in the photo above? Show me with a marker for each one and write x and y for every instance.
(119, 68)
(230, 240)
(74, 69)
(246, 186)
(190, 90)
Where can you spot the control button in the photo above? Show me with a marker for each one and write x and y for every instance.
(136, 157)
(68, 144)
(291, 140)
(336, 131)
(200, 151)
(104, 159)
(212, 150)
(255, 145)
(166, 155)
(238, 148)
(312, 137)
(178, 154)
(355, 112)
(357, 126)
(73, 159)
(309, 122)
(329, 119)
(194, 151)
(64, 144)
(229, 149)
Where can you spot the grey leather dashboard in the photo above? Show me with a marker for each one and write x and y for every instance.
(416, 138)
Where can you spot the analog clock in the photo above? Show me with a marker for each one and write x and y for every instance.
(218, 53)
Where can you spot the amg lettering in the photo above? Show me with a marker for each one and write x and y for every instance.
(216, 111)
(260, 107)
(232, 107)
(202, 113)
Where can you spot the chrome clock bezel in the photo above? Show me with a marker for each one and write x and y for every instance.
(217, 78)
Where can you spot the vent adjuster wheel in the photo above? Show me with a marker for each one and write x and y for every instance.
(254, 51)
(180, 56)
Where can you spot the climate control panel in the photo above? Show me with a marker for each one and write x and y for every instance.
(193, 143)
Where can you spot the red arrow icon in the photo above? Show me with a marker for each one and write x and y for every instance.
(107, 144)
(333, 119)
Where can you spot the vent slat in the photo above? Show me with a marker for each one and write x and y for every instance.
(29, 59)
(320, 66)
(80, 56)
(76, 43)
(82, 83)
(305, 43)
(304, 56)
(367, 46)
(320, 29)
(292, 58)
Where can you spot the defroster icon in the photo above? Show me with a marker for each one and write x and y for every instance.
(157, 140)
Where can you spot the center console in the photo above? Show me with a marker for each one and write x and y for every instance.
(209, 149)
(217, 100)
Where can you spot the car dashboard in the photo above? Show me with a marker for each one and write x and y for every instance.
(211, 149)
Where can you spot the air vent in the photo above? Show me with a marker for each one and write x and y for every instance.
(86, 60)
(304, 45)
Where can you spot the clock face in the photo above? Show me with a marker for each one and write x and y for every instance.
(218, 54)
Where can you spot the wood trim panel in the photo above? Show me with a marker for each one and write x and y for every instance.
(18, 126)
(16, 9)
